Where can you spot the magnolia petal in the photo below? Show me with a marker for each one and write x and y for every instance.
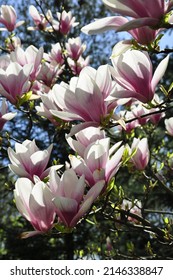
(76, 146)
(80, 168)
(137, 23)
(114, 148)
(41, 194)
(76, 128)
(65, 204)
(104, 24)
(22, 192)
(9, 116)
(130, 94)
(48, 170)
(13, 156)
(54, 181)
(88, 200)
(103, 80)
(96, 154)
(90, 98)
(121, 47)
(159, 72)
(120, 6)
(19, 171)
(69, 181)
(114, 164)
(67, 116)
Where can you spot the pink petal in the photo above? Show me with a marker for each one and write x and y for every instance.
(88, 200)
(137, 23)
(114, 163)
(104, 24)
(76, 128)
(159, 72)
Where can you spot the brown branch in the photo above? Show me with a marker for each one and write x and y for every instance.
(144, 116)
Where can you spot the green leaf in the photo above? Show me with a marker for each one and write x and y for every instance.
(62, 228)
(90, 222)
(163, 90)
(170, 87)
(24, 98)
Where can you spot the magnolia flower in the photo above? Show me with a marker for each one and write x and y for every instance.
(85, 98)
(40, 20)
(143, 35)
(27, 160)
(133, 71)
(100, 162)
(143, 13)
(84, 138)
(49, 73)
(34, 202)
(8, 18)
(31, 56)
(75, 48)
(65, 22)
(48, 103)
(14, 81)
(4, 116)
(141, 156)
(55, 56)
(71, 200)
(169, 126)
(77, 66)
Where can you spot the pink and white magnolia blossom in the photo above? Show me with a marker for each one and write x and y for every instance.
(27, 160)
(49, 73)
(84, 138)
(55, 56)
(133, 71)
(31, 56)
(41, 22)
(14, 81)
(143, 35)
(4, 115)
(71, 200)
(48, 103)
(141, 157)
(169, 126)
(77, 66)
(100, 162)
(65, 22)
(85, 97)
(143, 14)
(34, 202)
(8, 18)
(75, 48)
(147, 17)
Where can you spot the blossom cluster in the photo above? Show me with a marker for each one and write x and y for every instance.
(121, 95)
